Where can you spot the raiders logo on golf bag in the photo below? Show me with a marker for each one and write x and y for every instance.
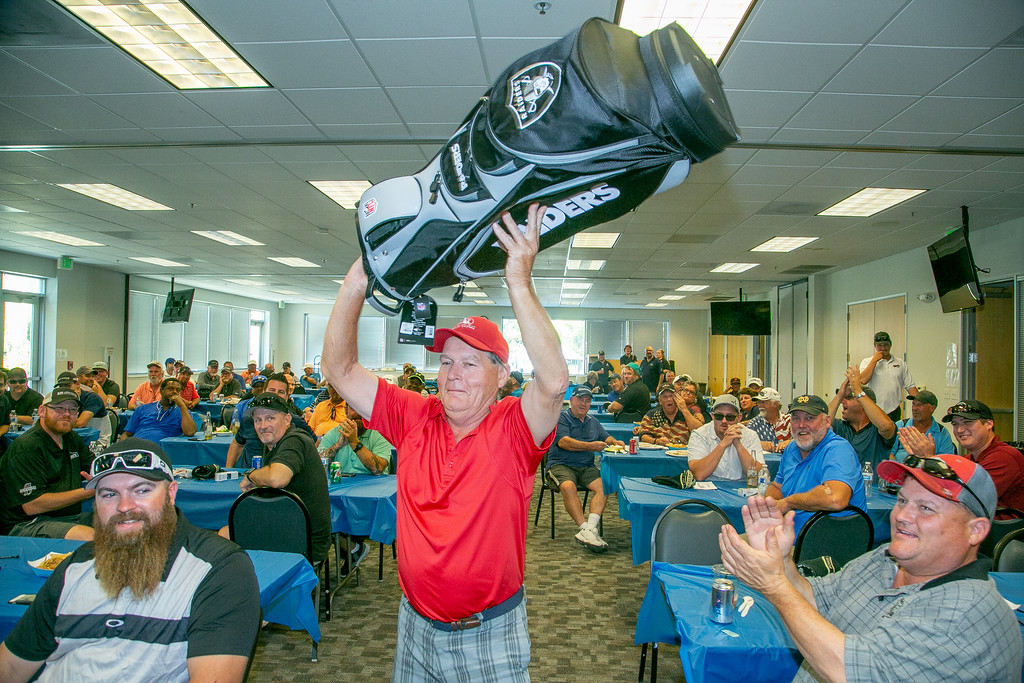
(590, 126)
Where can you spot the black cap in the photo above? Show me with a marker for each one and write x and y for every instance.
(882, 337)
(66, 378)
(925, 396)
(128, 446)
(269, 401)
(969, 410)
(810, 404)
(517, 376)
(62, 393)
(582, 390)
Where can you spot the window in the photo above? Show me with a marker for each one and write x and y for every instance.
(580, 338)
(22, 321)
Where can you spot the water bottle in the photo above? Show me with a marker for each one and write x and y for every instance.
(325, 460)
(35, 417)
(14, 422)
(764, 478)
(207, 427)
(868, 472)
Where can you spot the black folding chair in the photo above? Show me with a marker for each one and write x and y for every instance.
(225, 415)
(277, 520)
(1000, 528)
(842, 538)
(1009, 553)
(684, 536)
(547, 485)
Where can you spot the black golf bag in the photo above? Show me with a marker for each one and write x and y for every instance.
(590, 126)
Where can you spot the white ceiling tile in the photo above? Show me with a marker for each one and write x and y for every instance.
(440, 62)
(416, 105)
(500, 53)
(196, 134)
(264, 133)
(850, 112)
(269, 20)
(997, 74)
(1010, 123)
(972, 141)
(883, 138)
(248, 107)
(800, 67)
(985, 180)
(764, 108)
(344, 105)
(309, 64)
(156, 110)
(501, 19)
(823, 136)
(949, 114)
(367, 131)
(419, 19)
(853, 178)
(827, 22)
(66, 112)
(953, 23)
(894, 70)
(21, 80)
(93, 69)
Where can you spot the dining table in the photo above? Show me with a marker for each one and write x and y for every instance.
(88, 435)
(286, 582)
(195, 450)
(641, 501)
(650, 461)
(757, 647)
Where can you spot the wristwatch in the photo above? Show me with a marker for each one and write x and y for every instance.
(358, 447)
(861, 395)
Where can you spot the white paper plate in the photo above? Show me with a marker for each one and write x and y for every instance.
(678, 454)
(651, 446)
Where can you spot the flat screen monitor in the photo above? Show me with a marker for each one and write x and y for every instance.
(741, 317)
(956, 278)
(178, 306)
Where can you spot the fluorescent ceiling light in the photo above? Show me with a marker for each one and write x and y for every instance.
(483, 301)
(112, 194)
(159, 261)
(655, 305)
(340, 282)
(784, 244)
(870, 201)
(594, 240)
(344, 193)
(169, 39)
(477, 294)
(576, 285)
(577, 264)
(574, 295)
(228, 237)
(59, 238)
(244, 283)
(319, 301)
(10, 209)
(692, 288)
(292, 261)
(286, 292)
(734, 267)
(712, 24)
(671, 297)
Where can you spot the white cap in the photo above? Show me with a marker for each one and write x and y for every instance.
(769, 394)
(755, 380)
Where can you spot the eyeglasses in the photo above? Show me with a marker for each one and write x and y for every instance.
(17, 381)
(130, 460)
(941, 470)
(63, 411)
(725, 417)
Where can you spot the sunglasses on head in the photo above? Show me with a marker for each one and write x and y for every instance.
(961, 408)
(941, 470)
(725, 417)
(128, 461)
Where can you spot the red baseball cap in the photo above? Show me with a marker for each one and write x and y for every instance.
(480, 333)
(973, 486)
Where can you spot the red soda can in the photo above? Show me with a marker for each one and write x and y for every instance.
(633, 445)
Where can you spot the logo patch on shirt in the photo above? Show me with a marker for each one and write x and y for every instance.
(27, 489)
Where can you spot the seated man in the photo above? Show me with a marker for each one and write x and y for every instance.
(188, 601)
(310, 380)
(724, 449)
(208, 380)
(188, 389)
(634, 400)
(772, 425)
(864, 424)
(819, 468)
(246, 443)
(571, 465)
(748, 404)
(290, 462)
(169, 370)
(251, 371)
(23, 399)
(238, 376)
(167, 417)
(328, 414)
(148, 391)
(93, 410)
(919, 428)
(110, 388)
(357, 449)
(227, 385)
(41, 490)
(615, 387)
(973, 424)
(667, 424)
(920, 608)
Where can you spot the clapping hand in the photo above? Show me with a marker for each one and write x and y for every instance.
(916, 443)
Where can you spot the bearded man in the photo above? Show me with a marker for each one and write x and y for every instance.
(152, 598)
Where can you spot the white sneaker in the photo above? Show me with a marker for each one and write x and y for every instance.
(588, 538)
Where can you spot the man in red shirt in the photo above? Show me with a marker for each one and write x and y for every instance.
(972, 424)
(467, 465)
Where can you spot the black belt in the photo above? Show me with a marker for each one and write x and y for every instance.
(480, 617)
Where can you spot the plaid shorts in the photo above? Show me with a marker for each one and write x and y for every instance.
(498, 650)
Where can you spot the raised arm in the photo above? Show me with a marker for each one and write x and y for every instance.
(834, 404)
(886, 427)
(341, 351)
(542, 398)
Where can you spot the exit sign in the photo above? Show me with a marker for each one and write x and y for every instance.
(65, 263)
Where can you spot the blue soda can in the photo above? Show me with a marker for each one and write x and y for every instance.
(723, 601)
(257, 462)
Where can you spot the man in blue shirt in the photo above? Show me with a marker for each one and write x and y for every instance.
(921, 408)
(819, 469)
(571, 465)
(167, 417)
(310, 380)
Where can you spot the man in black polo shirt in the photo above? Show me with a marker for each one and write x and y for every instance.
(23, 398)
(290, 462)
(41, 490)
(634, 400)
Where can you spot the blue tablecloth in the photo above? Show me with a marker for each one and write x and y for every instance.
(125, 415)
(649, 463)
(621, 431)
(675, 610)
(362, 505)
(286, 582)
(303, 401)
(88, 435)
(214, 409)
(641, 501)
(183, 451)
